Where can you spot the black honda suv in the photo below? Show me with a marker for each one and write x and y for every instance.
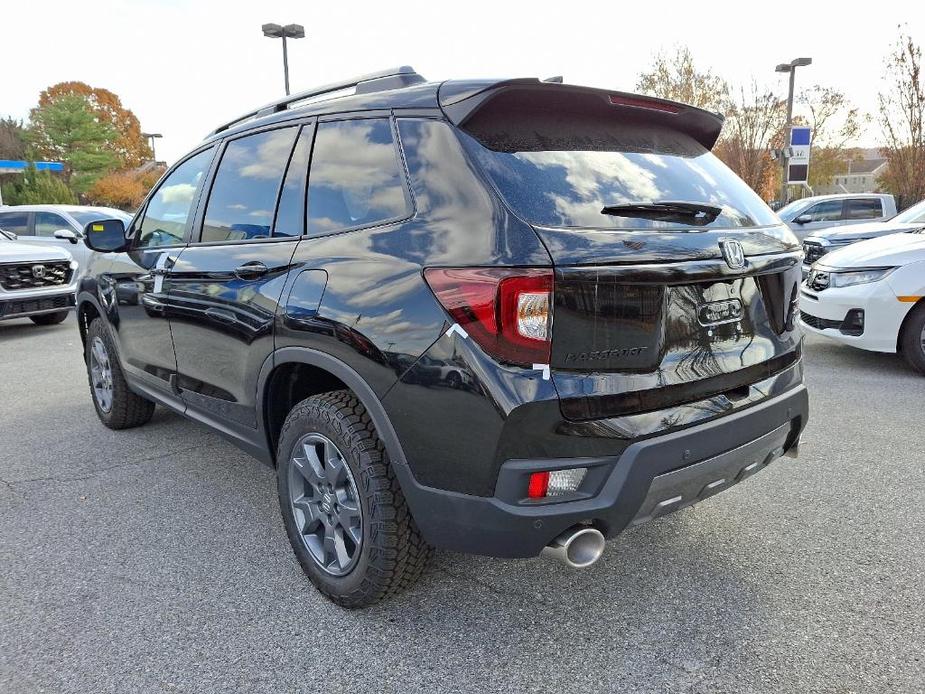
(500, 317)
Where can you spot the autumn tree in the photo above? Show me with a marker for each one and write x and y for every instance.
(755, 120)
(674, 76)
(902, 120)
(127, 143)
(12, 139)
(124, 189)
(67, 130)
(836, 123)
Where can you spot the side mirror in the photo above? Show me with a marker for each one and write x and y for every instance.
(106, 236)
(803, 219)
(67, 234)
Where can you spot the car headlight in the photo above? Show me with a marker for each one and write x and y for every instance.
(853, 277)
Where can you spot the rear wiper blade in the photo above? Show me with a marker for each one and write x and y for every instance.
(693, 213)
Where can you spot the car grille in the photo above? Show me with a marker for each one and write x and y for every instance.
(813, 251)
(35, 275)
(819, 323)
(26, 306)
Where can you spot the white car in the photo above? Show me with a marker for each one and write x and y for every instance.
(871, 295)
(36, 282)
(57, 225)
(808, 215)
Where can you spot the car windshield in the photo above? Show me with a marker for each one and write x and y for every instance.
(84, 217)
(789, 211)
(618, 177)
(913, 215)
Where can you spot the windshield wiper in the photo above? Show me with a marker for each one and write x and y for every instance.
(692, 213)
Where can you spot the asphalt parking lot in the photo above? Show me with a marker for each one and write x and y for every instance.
(155, 560)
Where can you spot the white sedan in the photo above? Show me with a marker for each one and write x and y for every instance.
(871, 295)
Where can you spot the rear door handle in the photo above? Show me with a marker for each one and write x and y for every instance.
(251, 270)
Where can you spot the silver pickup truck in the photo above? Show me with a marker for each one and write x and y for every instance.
(36, 282)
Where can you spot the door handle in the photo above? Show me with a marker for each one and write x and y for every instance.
(251, 270)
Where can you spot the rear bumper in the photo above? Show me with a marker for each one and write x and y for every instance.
(651, 477)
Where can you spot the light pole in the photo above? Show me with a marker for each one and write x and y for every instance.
(151, 137)
(790, 67)
(290, 31)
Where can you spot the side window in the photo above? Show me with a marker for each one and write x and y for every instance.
(290, 217)
(864, 208)
(828, 211)
(47, 223)
(17, 222)
(246, 185)
(169, 209)
(355, 178)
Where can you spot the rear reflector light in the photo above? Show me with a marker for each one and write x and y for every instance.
(507, 311)
(643, 103)
(551, 483)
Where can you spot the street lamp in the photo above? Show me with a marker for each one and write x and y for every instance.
(790, 67)
(151, 137)
(290, 31)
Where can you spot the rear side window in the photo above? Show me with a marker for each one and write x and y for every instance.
(562, 174)
(168, 210)
(355, 177)
(828, 211)
(17, 222)
(869, 208)
(246, 186)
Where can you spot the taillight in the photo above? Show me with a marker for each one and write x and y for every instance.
(507, 311)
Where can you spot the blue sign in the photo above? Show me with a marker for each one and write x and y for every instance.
(799, 136)
(14, 165)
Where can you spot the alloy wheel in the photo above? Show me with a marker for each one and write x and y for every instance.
(325, 504)
(101, 374)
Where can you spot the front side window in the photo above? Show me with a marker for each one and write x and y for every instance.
(244, 193)
(828, 211)
(15, 222)
(47, 223)
(863, 209)
(169, 209)
(355, 178)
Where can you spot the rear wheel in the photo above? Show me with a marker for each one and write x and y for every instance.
(116, 405)
(343, 509)
(49, 318)
(912, 340)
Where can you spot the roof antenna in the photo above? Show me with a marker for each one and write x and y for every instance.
(557, 79)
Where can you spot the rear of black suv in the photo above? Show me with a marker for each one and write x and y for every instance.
(494, 317)
(653, 363)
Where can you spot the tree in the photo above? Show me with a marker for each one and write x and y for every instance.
(754, 125)
(67, 130)
(38, 187)
(127, 144)
(675, 77)
(12, 139)
(902, 120)
(835, 123)
(123, 189)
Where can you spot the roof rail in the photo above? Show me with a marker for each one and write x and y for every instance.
(395, 78)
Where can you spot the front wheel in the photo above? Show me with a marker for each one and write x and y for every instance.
(343, 509)
(49, 318)
(912, 340)
(116, 405)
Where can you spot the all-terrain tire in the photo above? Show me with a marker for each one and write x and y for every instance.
(392, 554)
(127, 409)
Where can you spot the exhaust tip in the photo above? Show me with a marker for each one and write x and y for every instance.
(578, 547)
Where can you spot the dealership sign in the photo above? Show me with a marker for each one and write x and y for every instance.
(798, 160)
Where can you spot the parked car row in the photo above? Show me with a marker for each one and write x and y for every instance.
(42, 257)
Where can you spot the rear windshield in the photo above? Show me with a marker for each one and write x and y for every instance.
(552, 178)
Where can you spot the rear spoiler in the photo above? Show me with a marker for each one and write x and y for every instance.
(464, 103)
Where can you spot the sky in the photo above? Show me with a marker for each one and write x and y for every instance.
(185, 66)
